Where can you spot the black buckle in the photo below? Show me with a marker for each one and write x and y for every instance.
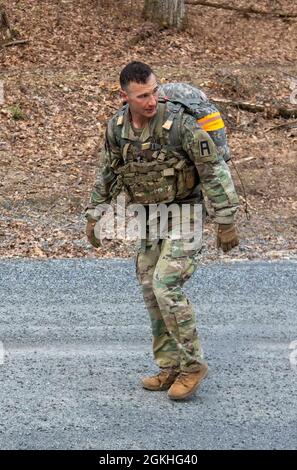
(155, 146)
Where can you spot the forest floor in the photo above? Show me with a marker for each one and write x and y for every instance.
(63, 85)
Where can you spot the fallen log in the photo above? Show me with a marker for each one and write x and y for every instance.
(289, 125)
(272, 110)
(14, 43)
(249, 10)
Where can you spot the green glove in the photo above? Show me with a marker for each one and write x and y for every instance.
(227, 237)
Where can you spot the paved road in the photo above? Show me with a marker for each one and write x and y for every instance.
(76, 339)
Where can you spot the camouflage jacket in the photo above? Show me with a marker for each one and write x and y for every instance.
(196, 144)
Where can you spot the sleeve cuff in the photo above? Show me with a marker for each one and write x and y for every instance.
(224, 220)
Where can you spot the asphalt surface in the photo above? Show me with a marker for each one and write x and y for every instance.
(76, 341)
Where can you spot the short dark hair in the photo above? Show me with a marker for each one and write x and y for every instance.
(134, 72)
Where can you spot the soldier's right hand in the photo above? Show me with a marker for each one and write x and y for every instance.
(91, 235)
(227, 237)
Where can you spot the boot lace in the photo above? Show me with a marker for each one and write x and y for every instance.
(182, 377)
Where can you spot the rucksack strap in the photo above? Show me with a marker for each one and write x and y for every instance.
(141, 146)
(173, 124)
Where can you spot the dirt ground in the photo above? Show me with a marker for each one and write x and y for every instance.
(63, 87)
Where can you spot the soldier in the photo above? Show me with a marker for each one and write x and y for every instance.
(139, 159)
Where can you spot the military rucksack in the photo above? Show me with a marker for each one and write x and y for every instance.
(189, 99)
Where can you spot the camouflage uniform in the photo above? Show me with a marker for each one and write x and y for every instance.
(163, 265)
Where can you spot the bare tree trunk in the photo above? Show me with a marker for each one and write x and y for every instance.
(5, 30)
(168, 13)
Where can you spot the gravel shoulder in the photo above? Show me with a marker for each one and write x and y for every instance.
(76, 339)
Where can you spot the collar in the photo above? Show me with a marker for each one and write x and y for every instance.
(148, 131)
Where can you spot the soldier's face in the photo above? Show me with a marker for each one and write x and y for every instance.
(142, 97)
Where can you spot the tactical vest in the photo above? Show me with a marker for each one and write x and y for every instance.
(159, 170)
(156, 171)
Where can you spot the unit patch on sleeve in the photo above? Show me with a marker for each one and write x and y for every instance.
(204, 148)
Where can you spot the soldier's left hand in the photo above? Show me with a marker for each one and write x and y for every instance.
(227, 237)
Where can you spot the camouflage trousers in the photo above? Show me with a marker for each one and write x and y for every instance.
(162, 268)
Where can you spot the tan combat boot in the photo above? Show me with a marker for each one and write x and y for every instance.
(186, 383)
(161, 381)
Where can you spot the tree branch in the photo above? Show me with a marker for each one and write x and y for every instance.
(275, 111)
(242, 10)
(14, 43)
(289, 125)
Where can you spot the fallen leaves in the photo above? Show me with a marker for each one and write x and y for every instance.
(66, 83)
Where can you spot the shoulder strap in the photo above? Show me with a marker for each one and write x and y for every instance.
(118, 122)
(120, 115)
(174, 121)
(172, 124)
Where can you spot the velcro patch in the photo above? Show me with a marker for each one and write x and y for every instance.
(120, 120)
(146, 146)
(204, 148)
(180, 165)
(167, 125)
(168, 172)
